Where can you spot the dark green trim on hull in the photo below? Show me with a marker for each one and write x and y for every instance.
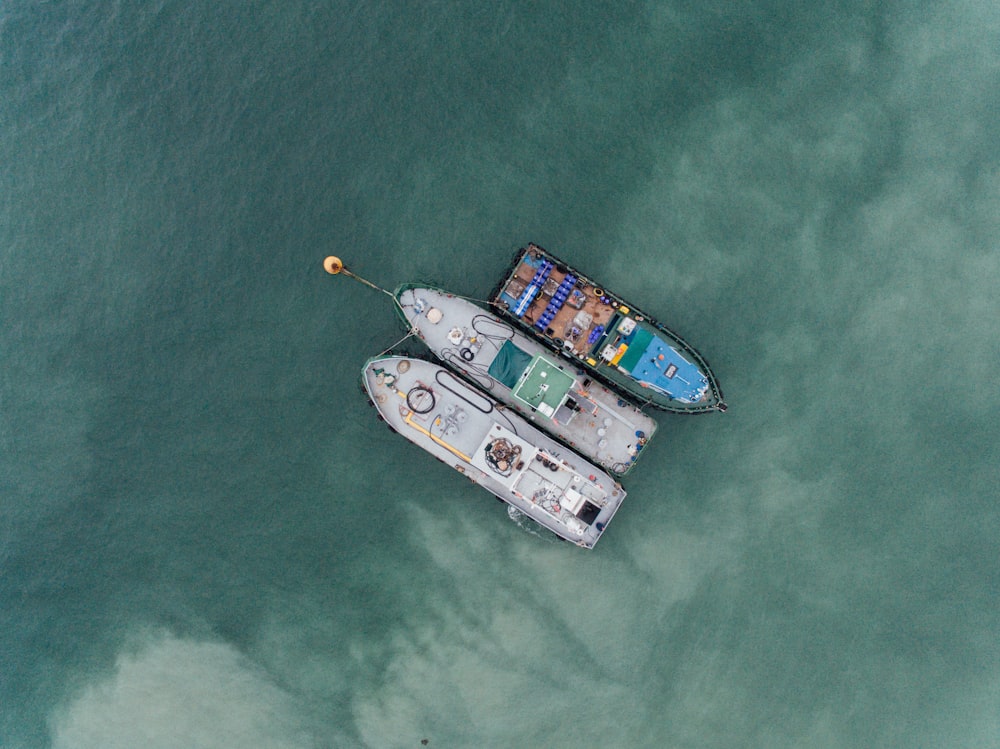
(604, 372)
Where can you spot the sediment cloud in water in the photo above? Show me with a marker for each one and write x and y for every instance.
(176, 692)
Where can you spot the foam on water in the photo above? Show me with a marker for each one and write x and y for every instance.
(526, 524)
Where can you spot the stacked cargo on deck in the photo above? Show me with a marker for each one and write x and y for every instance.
(558, 300)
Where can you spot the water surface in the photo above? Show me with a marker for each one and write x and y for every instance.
(207, 539)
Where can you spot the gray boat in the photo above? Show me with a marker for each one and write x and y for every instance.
(522, 373)
(493, 446)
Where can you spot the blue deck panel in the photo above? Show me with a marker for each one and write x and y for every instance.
(534, 262)
(687, 383)
(526, 299)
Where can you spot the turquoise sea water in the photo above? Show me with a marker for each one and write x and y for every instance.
(207, 539)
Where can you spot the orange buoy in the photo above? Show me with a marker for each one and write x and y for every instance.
(334, 266)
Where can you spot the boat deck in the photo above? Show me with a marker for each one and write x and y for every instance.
(596, 309)
(438, 411)
(520, 372)
(622, 345)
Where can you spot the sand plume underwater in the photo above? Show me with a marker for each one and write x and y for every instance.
(207, 538)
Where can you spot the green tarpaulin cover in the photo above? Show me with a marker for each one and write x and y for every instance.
(509, 364)
(636, 349)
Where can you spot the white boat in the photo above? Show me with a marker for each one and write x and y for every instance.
(522, 373)
(494, 447)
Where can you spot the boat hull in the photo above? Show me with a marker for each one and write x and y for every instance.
(550, 391)
(609, 337)
(493, 447)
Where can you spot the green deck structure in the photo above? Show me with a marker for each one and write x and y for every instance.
(635, 350)
(543, 386)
